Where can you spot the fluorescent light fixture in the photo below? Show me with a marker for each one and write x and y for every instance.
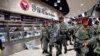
(60, 8)
(58, 1)
(82, 4)
(55, 4)
(83, 14)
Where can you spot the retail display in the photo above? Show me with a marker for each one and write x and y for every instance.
(14, 17)
(15, 27)
(37, 31)
(28, 32)
(15, 35)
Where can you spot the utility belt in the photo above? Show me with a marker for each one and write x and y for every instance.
(62, 32)
(82, 39)
(79, 42)
(97, 33)
(62, 35)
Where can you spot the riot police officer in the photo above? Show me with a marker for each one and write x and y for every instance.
(82, 36)
(96, 37)
(62, 34)
(70, 32)
(54, 40)
(45, 38)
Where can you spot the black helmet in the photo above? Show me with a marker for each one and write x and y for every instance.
(97, 7)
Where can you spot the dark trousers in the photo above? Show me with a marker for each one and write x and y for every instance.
(91, 51)
(97, 54)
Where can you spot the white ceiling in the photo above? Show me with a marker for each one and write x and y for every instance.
(79, 6)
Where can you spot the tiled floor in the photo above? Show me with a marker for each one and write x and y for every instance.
(38, 52)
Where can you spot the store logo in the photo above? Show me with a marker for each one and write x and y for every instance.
(24, 5)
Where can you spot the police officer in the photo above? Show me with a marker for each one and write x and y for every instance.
(53, 34)
(70, 33)
(62, 34)
(45, 39)
(96, 37)
(52, 40)
(82, 36)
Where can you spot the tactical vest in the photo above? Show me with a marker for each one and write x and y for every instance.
(45, 32)
(97, 49)
(62, 29)
(82, 34)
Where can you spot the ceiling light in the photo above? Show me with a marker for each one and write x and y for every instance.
(58, 1)
(82, 4)
(55, 4)
(60, 8)
(83, 14)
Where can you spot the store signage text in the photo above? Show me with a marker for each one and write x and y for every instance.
(41, 10)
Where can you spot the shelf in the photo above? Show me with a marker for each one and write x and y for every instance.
(18, 23)
(16, 35)
(15, 31)
(28, 30)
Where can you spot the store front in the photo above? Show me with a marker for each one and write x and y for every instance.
(21, 21)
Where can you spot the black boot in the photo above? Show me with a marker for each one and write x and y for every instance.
(50, 49)
(2, 48)
(49, 55)
(45, 51)
(65, 48)
(58, 54)
(65, 51)
(71, 44)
